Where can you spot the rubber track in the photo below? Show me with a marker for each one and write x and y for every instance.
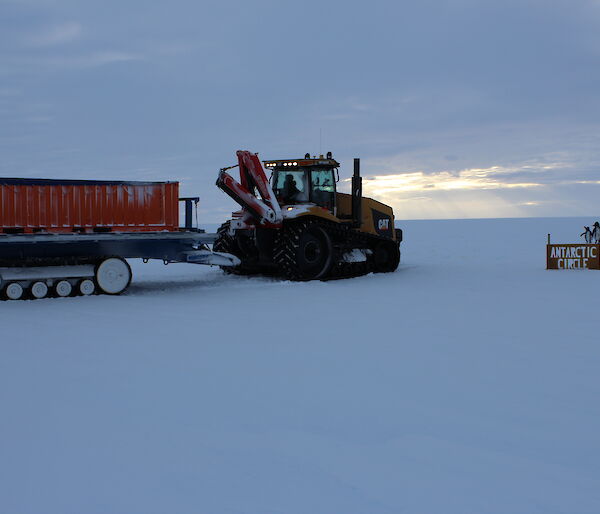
(344, 239)
(286, 246)
(225, 243)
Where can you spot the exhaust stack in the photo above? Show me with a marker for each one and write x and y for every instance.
(357, 194)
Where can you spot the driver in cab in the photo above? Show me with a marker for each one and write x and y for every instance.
(290, 191)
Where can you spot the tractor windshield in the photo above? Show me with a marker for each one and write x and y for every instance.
(291, 186)
(302, 185)
(323, 187)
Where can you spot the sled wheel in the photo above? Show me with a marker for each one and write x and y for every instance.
(113, 275)
(38, 290)
(86, 287)
(63, 288)
(13, 291)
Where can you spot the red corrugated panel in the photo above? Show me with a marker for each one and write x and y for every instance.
(33, 205)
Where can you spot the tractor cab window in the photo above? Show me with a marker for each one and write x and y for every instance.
(323, 188)
(290, 186)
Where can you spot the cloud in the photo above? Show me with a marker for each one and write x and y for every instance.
(471, 179)
(525, 175)
(531, 188)
(55, 35)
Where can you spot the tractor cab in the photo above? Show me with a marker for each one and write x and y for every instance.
(307, 180)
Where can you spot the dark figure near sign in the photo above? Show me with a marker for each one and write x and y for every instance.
(595, 233)
(587, 235)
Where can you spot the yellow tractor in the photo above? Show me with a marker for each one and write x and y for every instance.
(298, 226)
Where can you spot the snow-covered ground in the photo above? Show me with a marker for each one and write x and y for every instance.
(466, 382)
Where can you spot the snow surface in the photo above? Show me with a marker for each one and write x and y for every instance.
(466, 382)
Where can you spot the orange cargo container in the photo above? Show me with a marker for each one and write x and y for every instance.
(62, 206)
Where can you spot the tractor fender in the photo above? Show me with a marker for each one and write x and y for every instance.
(291, 212)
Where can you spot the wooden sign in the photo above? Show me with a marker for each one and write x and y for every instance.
(572, 256)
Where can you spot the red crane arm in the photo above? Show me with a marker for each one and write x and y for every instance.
(264, 209)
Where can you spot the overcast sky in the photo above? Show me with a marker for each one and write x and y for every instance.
(457, 108)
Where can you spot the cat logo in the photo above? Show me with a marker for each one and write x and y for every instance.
(384, 224)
